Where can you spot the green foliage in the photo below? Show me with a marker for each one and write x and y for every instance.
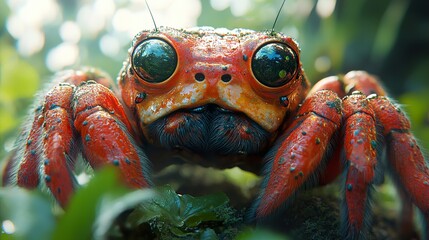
(417, 108)
(19, 80)
(90, 214)
(104, 198)
(105, 208)
(28, 214)
(171, 215)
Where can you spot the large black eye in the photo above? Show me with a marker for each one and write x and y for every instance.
(274, 64)
(154, 60)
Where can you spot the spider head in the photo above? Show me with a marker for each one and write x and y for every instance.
(213, 90)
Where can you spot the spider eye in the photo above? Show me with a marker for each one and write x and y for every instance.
(274, 64)
(154, 60)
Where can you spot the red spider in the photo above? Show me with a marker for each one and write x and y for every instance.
(222, 98)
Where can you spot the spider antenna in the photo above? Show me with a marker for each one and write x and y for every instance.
(277, 17)
(151, 15)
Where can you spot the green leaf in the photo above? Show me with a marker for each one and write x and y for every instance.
(27, 213)
(99, 203)
(112, 206)
(180, 214)
(200, 209)
(164, 207)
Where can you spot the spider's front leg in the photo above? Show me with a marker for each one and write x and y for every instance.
(79, 114)
(106, 133)
(300, 151)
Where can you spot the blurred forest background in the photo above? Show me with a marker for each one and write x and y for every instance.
(388, 38)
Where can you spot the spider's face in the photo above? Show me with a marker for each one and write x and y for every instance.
(216, 90)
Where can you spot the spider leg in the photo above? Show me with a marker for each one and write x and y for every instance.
(406, 161)
(78, 103)
(300, 151)
(27, 175)
(359, 148)
(57, 139)
(106, 133)
(360, 158)
(401, 144)
(8, 169)
(353, 81)
(367, 84)
(45, 149)
(406, 219)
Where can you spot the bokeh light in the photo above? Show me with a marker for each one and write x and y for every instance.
(61, 56)
(27, 20)
(8, 227)
(325, 8)
(112, 22)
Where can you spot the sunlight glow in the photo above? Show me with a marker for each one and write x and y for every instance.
(61, 56)
(240, 7)
(220, 5)
(29, 22)
(83, 178)
(90, 21)
(123, 19)
(8, 227)
(31, 42)
(323, 64)
(301, 9)
(105, 8)
(37, 13)
(26, 21)
(15, 26)
(110, 45)
(325, 8)
(70, 32)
